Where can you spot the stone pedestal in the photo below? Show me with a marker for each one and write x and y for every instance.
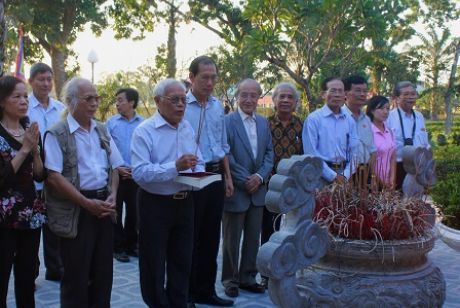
(306, 268)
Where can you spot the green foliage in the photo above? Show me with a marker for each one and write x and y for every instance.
(446, 193)
(441, 139)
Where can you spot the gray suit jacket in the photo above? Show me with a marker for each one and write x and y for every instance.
(243, 164)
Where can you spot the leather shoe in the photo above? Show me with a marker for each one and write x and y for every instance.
(254, 288)
(264, 282)
(121, 257)
(133, 252)
(214, 300)
(53, 276)
(231, 291)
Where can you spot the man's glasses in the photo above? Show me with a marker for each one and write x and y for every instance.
(176, 99)
(90, 98)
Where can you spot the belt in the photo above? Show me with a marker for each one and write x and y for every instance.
(340, 165)
(95, 194)
(181, 195)
(215, 167)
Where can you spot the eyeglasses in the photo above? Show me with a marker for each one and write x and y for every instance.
(176, 99)
(249, 95)
(334, 91)
(90, 98)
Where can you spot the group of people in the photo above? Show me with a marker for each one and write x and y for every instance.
(92, 171)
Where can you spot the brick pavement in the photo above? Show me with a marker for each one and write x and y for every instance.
(126, 291)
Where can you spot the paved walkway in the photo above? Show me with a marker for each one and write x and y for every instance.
(126, 291)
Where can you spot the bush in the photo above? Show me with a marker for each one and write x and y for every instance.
(441, 140)
(446, 193)
(456, 139)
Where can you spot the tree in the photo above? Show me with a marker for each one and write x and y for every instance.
(143, 15)
(450, 89)
(3, 31)
(54, 24)
(435, 52)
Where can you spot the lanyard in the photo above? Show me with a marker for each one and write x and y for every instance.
(402, 126)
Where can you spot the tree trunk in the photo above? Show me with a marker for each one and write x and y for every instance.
(434, 92)
(58, 58)
(450, 91)
(3, 31)
(376, 79)
(171, 57)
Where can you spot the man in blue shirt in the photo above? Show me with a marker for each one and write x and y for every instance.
(121, 128)
(330, 134)
(206, 115)
(163, 146)
(46, 111)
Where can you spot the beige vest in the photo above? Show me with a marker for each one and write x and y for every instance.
(62, 213)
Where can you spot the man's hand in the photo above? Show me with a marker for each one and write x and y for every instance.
(186, 161)
(99, 208)
(252, 183)
(229, 186)
(125, 172)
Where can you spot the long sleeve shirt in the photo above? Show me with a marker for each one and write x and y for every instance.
(155, 147)
(333, 138)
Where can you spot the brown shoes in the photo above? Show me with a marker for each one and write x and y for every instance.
(254, 288)
(231, 291)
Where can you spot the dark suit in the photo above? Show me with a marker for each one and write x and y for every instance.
(243, 211)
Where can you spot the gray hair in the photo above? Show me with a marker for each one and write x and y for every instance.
(163, 85)
(70, 91)
(401, 85)
(259, 88)
(286, 85)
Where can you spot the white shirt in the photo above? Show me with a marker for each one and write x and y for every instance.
(93, 165)
(333, 138)
(420, 138)
(250, 126)
(366, 144)
(155, 147)
(44, 117)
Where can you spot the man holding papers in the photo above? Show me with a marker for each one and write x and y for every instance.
(162, 146)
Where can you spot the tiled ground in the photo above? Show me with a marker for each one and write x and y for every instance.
(126, 291)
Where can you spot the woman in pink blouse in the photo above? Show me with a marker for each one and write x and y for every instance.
(384, 169)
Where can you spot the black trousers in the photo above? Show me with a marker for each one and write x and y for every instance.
(19, 250)
(400, 175)
(209, 203)
(88, 263)
(51, 251)
(125, 235)
(165, 243)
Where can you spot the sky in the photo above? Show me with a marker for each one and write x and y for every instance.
(127, 54)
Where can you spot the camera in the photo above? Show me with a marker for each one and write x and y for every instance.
(408, 141)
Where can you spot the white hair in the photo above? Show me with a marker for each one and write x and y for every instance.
(70, 91)
(163, 85)
(286, 85)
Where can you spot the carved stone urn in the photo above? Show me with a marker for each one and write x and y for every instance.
(307, 267)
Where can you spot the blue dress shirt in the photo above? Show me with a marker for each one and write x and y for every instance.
(213, 138)
(366, 144)
(333, 138)
(155, 147)
(121, 129)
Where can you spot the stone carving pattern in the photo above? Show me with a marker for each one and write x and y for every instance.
(300, 242)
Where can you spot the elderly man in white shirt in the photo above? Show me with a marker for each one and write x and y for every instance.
(46, 111)
(330, 134)
(161, 147)
(79, 160)
(407, 124)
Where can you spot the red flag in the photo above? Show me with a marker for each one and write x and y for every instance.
(19, 71)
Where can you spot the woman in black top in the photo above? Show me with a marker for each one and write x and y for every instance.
(22, 212)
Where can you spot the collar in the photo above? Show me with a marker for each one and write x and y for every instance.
(73, 124)
(120, 117)
(326, 112)
(244, 116)
(408, 115)
(191, 99)
(159, 121)
(34, 102)
(375, 129)
(346, 109)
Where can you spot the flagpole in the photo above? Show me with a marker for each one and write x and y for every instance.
(19, 71)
